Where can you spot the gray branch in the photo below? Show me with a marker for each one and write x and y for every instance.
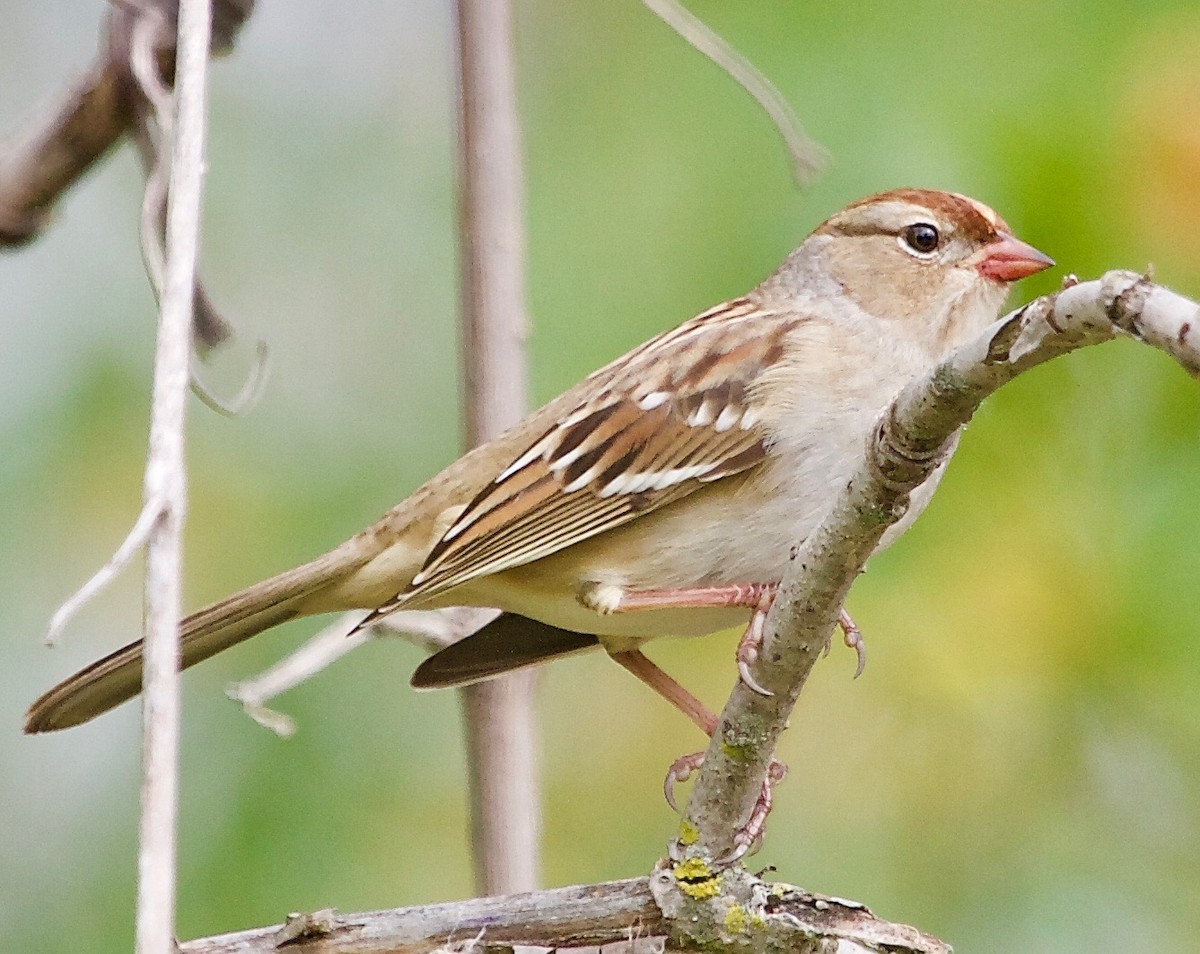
(638, 916)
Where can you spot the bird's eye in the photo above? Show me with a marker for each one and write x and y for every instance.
(921, 238)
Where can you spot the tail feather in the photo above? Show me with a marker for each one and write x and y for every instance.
(117, 677)
(507, 643)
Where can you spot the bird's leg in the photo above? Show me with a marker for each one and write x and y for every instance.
(745, 837)
(606, 598)
(757, 596)
(636, 662)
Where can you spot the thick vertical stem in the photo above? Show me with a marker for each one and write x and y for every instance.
(501, 750)
(166, 490)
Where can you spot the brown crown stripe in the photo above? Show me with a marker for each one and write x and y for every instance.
(972, 219)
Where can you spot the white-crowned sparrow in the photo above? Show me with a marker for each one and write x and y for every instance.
(661, 495)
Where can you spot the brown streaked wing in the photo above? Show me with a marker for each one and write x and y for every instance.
(661, 422)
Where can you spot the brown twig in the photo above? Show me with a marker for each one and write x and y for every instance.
(499, 714)
(637, 916)
(807, 155)
(58, 148)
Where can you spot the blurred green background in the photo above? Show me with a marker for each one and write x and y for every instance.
(1019, 768)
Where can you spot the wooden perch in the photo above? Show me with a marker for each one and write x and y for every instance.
(661, 913)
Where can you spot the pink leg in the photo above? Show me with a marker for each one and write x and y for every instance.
(757, 596)
(636, 662)
(701, 597)
(639, 665)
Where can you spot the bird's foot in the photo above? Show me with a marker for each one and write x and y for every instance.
(680, 771)
(751, 642)
(749, 835)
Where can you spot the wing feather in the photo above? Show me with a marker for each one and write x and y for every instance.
(657, 424)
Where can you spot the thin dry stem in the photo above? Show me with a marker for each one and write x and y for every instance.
(139, 533)
(429, 629)
(502, 768)
(166, 481)
(807, 155)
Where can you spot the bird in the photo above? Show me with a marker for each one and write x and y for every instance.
(662, 495)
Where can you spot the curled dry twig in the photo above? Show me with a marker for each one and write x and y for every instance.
(808, 157)
(117, 98)
(429, 629)
(151, 129)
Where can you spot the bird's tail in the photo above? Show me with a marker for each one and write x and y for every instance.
(117, 677)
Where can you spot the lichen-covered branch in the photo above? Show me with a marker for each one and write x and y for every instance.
(911, 439)
(734, 911)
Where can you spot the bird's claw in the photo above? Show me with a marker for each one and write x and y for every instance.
(744, 672)
(751, 643)
(680, 771)
(854, 639)
(748, 838)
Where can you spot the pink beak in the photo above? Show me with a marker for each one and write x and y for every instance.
(1008, 259)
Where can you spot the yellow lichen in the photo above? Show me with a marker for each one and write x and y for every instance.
(696, 879)
(689, 834)
(701, 890)
(735, 919)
